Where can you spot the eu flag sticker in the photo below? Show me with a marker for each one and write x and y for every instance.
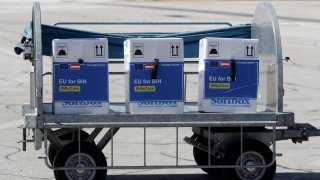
(214, 64)
(64, 66)
(138, 67)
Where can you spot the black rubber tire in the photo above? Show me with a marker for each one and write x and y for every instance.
(52, 152)
(71, 150)
(253, 146)
(201, 158)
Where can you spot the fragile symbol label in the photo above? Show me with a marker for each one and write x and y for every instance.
(175, 50)
(213, 49)
(99, 49)
(138, 50)
(62, 50)
(249, 50)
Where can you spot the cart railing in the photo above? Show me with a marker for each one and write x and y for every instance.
(108, 137)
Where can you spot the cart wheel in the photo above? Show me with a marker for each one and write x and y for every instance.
(201, 158)
(254, 153)
(90, 156)
(72, 136)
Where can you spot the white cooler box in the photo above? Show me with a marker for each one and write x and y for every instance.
(154, 75)
(228, 75)
(80, 76)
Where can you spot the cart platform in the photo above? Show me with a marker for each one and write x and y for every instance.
(119, 118)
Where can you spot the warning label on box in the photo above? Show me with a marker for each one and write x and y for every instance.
(62, 50)
(138, 50)
(99, 50)
(175, 50)
(213, 49)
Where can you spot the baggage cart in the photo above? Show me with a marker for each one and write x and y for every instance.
(237, 144)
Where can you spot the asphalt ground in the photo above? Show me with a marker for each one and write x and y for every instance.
(299, 25)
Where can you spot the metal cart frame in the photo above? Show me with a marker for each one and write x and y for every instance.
(213, 132)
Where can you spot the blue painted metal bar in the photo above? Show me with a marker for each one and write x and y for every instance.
(142, 23)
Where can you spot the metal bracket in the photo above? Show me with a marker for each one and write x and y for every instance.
(30, 120)
(286, 59)
(26, 109)
(215, 150)
(38, 137)
(28, 53)
(281, 92)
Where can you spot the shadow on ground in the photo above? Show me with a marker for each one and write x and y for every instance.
(279, 176)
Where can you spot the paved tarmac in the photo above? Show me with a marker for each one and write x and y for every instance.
(299, 25)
